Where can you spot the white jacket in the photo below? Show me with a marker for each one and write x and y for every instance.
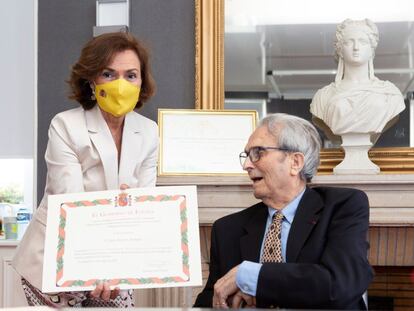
(81, 156)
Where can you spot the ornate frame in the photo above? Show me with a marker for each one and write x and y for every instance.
(209, 58)
(209, 92)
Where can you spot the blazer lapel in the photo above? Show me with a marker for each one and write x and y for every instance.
(251, 243)
(102, 139)
(131, 145)
(305, 219)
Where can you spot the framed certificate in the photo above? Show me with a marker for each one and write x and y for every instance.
(136, 238)
(200, 142)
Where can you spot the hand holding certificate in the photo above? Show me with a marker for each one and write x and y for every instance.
(135, 238)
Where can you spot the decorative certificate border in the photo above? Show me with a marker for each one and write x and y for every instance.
(203, 142)
(122, 200)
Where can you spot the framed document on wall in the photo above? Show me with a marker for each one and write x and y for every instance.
(203, 142)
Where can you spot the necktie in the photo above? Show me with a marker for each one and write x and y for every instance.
(272, 250)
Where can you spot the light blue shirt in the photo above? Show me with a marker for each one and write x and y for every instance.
(248, 272)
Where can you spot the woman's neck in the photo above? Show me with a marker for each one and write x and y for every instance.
(356, 74)
(114, 123)
(116, 126)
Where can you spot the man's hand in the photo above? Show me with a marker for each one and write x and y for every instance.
(103, 291)
(242, 300)
(224, 288)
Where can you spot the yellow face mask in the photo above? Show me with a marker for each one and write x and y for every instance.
(117, 97)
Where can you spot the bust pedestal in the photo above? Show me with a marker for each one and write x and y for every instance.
(356, 160)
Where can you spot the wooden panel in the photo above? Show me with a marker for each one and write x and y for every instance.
(400, 251)
(205, 236)
(391, 246)
(197, 290)
(373, 238)
(382, 249)
(205, 241)
(144, 298)
(390, 259)
(409, 245)
(395, 282)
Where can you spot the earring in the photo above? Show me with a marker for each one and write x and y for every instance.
(93, 97)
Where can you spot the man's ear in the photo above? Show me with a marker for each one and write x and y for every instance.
(297, 163)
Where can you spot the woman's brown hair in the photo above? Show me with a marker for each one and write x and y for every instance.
(96, 55)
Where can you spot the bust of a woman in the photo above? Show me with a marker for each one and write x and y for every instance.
(357, 102)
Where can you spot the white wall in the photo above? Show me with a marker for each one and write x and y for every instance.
(18, 93)
(18, 33)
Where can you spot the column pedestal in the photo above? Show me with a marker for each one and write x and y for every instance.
(356, 160)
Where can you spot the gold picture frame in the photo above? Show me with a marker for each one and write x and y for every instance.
(203, 142)
(209, 93)
(209, 54)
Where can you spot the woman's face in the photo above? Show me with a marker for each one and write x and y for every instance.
(124, 65)
(356, 47)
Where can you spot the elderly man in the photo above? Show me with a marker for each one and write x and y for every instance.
(300, 247)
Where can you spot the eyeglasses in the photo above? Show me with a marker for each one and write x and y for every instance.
(255, 153)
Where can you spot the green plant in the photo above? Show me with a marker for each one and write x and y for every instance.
(11, 193)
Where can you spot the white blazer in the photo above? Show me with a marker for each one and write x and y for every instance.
(81, 156)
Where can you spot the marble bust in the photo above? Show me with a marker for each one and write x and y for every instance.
(357, 105)
(357, 102)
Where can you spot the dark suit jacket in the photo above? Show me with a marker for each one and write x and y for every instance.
(326, 255)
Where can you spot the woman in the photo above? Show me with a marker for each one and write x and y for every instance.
(101, 145)
(357, 102)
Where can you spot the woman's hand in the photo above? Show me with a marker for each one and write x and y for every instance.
(104, 292)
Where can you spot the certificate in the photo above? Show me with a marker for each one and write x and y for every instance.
(136, 238)
(198, 142)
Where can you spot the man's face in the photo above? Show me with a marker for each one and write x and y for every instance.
(271, 174)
